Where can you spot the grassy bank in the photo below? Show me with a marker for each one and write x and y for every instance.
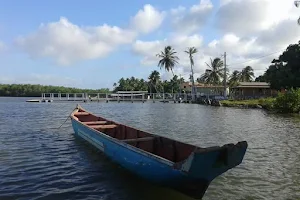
(288, 102)
(266, 103)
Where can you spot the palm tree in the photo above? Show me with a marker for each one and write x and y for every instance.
(115, 87)
(191, 51)
(154, 79)
(175, 83)
(214, 73)
(247, 74)
(168, 59)
(234, 78)
(181, 80)
(200, 79)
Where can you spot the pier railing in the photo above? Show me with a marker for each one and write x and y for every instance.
(116, 97)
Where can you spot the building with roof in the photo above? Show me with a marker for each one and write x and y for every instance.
(249, 90)
(203, 89)
(129, 95)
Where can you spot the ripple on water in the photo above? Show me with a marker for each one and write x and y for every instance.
(38, 161)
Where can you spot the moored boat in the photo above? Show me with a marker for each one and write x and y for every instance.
(170, 163)
(33, 100)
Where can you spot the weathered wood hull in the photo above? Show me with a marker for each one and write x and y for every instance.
(191, 176)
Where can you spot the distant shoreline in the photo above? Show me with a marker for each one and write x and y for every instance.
(29, 90)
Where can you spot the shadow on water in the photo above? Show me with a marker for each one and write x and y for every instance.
(123, 183)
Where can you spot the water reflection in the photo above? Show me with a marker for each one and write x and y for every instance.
(39, 162)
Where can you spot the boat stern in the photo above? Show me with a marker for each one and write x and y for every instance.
(203, 165)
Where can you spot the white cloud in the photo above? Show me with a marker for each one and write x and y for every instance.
(190, 20)
(245, 17)
(241, 50)
(149, 49)
(67, 43)
(257, 51)
(147, 19)
(248, 29)
(238, 47)
(224, 2)
(279, 36)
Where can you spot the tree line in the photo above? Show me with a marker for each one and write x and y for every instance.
(168, 60)
(215, 72)
(284, 72)
(154, 84)
(29, 90)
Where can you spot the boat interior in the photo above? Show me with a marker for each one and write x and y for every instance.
(166, 148)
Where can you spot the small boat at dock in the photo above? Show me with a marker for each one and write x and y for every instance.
(39, 100)
(33, 100)
(183, 167)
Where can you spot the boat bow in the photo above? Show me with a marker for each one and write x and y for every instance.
(203, 165)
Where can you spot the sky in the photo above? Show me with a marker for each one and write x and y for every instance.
(92, 44)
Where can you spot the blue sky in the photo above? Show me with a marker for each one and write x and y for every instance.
(75, 48)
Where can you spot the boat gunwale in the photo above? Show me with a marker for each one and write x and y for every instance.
(120, 142)
(197, 150)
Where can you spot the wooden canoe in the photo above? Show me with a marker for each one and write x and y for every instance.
(183, 167)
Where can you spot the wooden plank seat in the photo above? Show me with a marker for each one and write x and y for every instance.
(108, 126)
(95, 122)
(143, 139)
(81, 114)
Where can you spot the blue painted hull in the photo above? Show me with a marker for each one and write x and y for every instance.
(129, 157)
(191, 176)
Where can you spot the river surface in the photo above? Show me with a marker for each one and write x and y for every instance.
(38, 161)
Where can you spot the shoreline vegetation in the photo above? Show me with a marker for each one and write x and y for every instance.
(288, 102)
(30, 90)
(250, 103)
(282, 75)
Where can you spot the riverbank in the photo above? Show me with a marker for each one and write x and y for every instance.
(266, 103)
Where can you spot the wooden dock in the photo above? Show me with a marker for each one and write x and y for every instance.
(127, 96)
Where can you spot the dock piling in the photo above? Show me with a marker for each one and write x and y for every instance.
(130, 96)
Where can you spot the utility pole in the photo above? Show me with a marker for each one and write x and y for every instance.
(297, 4)
(193, 84)
(225, 74)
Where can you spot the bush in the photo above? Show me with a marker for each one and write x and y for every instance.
(288, 102)
(267, 103)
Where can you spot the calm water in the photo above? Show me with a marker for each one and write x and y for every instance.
(40, 162)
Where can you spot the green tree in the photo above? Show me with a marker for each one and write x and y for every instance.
(191, 51)
(168, 59)
(131, 84)
(247, 74)
(288, 102)
(261, 78)
(200, 79)
(154, 79)
(28, 90)
(175, 84)
(284, 72)
(141, 85)
(234, 78)
(214, 73)
(181, 80)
